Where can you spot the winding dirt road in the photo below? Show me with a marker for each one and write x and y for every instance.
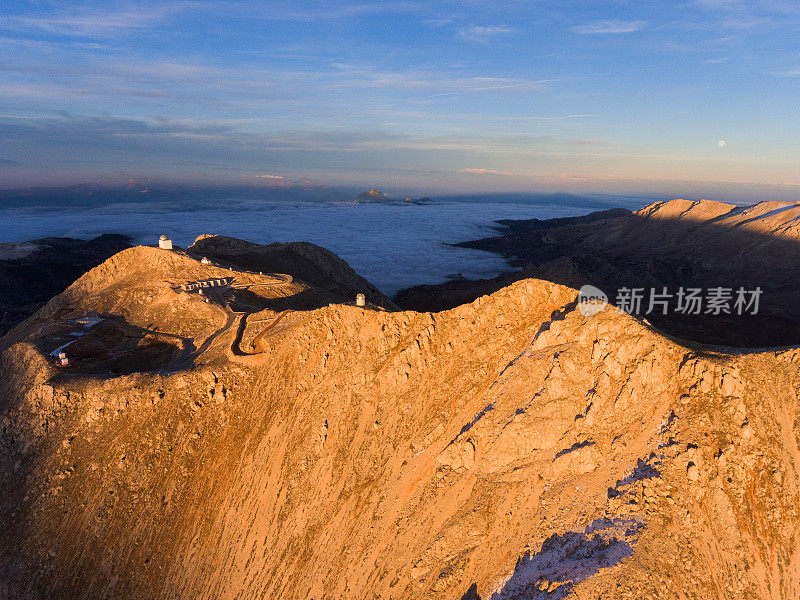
(190, 352)
(256, 343)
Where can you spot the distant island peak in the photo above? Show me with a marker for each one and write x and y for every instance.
(372, 195)
(376, 195)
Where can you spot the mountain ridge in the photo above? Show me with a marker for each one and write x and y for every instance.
(666, 245)
(511, 447)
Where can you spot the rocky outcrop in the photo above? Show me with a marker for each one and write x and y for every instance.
(511, 447)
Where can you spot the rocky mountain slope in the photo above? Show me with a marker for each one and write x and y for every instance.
(507, 448)
(680, 243)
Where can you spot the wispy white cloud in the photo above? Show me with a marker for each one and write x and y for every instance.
(720, 4)
(310, 11)
(436, 82)
(483, 34)
(438, 21)
(89, 24)
(234, 142)
(743, 16)
(276, 75)
(744, 22)
(610, 27)
(472, 171)
(553, 118)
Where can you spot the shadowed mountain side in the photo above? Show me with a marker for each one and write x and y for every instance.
(33, 272)
(302, 260)
(672, 244)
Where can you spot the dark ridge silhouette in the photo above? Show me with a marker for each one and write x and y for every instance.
(618, 249)
(28, 282)
(302, 260)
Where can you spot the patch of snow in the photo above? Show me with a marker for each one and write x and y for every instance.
(567, 559)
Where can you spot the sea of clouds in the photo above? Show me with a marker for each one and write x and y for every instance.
(393, 245)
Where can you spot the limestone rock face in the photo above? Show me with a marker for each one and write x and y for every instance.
(508, 448)
(729, 237)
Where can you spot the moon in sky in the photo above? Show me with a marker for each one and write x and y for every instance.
(721, 143)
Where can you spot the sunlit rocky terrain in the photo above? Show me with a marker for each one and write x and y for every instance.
(275, 437)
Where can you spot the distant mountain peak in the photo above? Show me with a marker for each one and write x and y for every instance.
(372, 195)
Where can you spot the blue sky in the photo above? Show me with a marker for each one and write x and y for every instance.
(413, 96)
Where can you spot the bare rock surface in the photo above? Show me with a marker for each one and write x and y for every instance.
(508, 448)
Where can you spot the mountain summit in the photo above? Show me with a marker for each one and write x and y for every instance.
(373, 195)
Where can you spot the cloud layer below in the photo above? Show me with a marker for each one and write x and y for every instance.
(394, 246)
